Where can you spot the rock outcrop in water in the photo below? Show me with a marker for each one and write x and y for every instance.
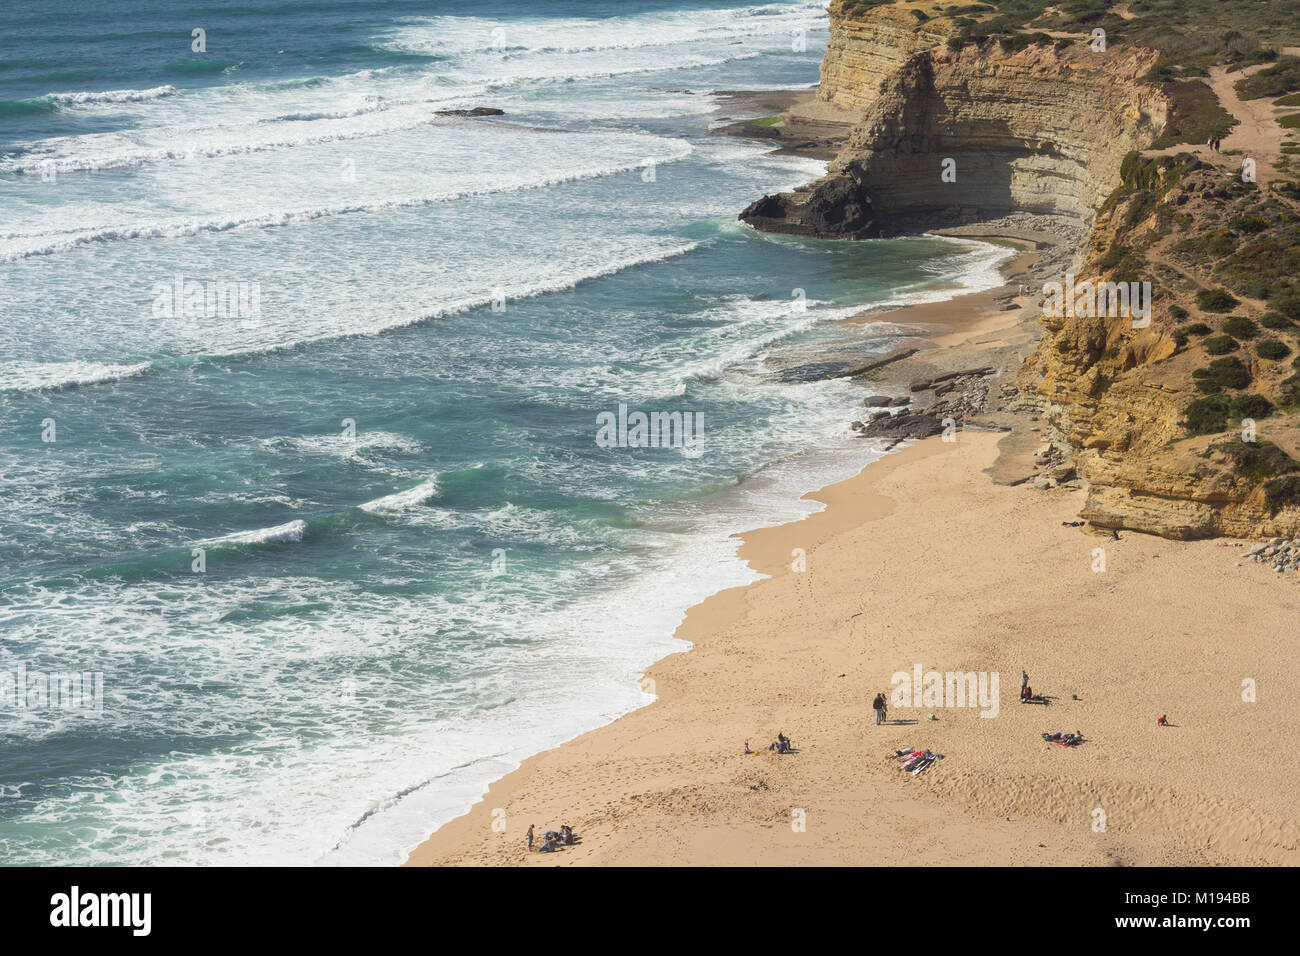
(836, 208)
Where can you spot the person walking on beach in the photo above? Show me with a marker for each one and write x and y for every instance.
(530, 838)
(1024, 682)
(878, 705)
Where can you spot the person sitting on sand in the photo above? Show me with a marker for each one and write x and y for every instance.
(1163, 721)
(747, 750)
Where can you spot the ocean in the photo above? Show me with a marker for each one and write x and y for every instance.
(305, 531)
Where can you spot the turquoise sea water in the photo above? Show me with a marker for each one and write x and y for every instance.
(342, 559)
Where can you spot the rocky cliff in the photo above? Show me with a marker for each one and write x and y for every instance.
(1170, 439)
(957, 130)
(949, 136)
(865, 51)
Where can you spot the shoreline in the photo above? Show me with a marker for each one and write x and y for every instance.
(804, 652)
(792, 502)
(919, 315)
(667, 784)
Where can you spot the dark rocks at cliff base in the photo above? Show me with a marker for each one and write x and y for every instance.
(931, 383)
(813, 372)
(832, 208)
(819, 371)
(903, 425)
(885, 401)
(476, 111)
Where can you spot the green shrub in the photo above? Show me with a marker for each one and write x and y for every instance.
(1282, 491)
(1250, 406)
(1282, 77)
(1178, 312)
(1272, 349)
(1289, 391)
(1240, 327)
(1220, 344)
(1197, 328)
(1205, 416)
(1229, 372)
(1288, 303)
(1250, 225)
(1215, 300)
(1257, 460)
(1275, 320)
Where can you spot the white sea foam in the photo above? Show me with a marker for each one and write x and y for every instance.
(976, 269)
(401, 500)
(290, 531)
(25, 244)
(89, 98)
(36, 376)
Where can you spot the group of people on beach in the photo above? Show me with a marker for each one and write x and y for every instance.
(781, 745)
(553, 839)
(1213, 142)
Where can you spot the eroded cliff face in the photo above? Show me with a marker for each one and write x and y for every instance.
(949, 137)
(1115, 398)
(1046, 129)
(864, 51)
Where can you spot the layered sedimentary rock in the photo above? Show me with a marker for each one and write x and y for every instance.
(954, 136)
(1043, 130)
(864, 51)
(1114, 399)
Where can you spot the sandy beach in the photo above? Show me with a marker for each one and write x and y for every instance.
(925, 561)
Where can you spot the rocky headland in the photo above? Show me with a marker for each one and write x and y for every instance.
(964, 122)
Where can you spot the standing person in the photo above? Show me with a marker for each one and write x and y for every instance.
(530, 837)
(1024, 682)
(878, 705)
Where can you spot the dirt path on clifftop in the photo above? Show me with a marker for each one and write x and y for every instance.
(1257, 133)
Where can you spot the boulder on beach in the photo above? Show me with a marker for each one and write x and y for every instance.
(903, 425)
